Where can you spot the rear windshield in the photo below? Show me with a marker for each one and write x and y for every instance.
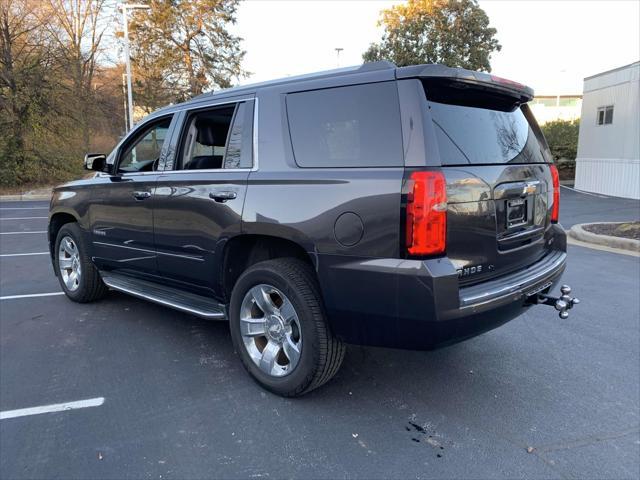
(474, 135)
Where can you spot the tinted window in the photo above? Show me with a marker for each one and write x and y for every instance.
(144, 149)
(239, 149)
(206, 138)
(218, 138)
(473, 135)
(356, 126)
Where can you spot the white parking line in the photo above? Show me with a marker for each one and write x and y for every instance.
(56, 407)
(19, 233)
(20, 218)
(23, 254)
(32, 295)
(24, 208)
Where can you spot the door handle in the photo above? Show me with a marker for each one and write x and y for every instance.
(222, 196)
(141, 195)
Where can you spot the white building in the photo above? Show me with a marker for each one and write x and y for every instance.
(609, 144)
(547, 108)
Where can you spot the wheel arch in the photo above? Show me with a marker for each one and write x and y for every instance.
(56, 222)
(242, 251)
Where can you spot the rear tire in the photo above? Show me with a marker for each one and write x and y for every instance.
(78, 276)
(287, 324)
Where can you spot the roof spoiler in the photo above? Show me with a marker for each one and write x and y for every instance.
(469, 77)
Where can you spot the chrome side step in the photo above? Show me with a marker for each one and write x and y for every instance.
(203, 307)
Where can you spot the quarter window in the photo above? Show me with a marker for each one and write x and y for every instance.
(355, 126)
(604, 115)
(239, 147)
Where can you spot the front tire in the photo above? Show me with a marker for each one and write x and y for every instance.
(78, 276)
(279, 328)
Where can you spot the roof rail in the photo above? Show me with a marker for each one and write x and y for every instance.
(379, 65)
(365, 67)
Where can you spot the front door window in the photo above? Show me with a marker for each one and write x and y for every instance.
(143, 152)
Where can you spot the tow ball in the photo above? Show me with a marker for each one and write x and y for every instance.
(562, 304)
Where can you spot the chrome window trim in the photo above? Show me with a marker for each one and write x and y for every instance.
(135, 131)
(209, 170)
(206, 170)
(131, 174)
(255, 135)
(255, 139)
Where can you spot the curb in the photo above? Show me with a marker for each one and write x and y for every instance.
(582, 235)
(25, 197)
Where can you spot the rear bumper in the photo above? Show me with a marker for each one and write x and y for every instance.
(418, 305)
(512, 288)
(491, 304)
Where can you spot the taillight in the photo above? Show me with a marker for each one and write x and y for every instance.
(555, 211)
(426, 225)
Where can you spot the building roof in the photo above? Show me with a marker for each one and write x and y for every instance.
(630, 65)
(611, 78)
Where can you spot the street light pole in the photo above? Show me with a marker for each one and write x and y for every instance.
(124, 98)
(338, 50)
(124, 7)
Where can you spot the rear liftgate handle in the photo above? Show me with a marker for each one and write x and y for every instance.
(562, 304)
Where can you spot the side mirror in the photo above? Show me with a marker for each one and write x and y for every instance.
(95, 161)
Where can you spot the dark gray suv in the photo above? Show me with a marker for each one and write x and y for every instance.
(400, 207)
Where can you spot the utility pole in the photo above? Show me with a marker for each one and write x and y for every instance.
(338, 50)
(124, 97)
(124, 7)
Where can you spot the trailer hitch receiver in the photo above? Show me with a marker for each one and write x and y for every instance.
(562, 304)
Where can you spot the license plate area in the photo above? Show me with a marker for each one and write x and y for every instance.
(516, 213)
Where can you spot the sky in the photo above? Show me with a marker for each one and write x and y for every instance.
(549, 45)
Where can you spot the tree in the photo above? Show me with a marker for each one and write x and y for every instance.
(153, 85)
(183, 47)
(75, 29)
(23, 82)
(451, 32)
(55, 100)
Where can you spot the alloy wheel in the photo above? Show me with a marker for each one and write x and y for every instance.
(270, 330)
(69, 263)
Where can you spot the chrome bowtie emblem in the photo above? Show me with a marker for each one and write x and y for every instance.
(275, 328)
(529, 189)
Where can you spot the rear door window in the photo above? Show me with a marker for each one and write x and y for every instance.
(354, 126)
(218, 138)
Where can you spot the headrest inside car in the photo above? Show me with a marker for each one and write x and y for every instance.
(205, 133)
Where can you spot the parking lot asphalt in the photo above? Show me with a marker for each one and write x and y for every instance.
(538, 397)
(580, 207)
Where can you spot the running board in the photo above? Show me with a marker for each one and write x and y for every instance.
(203, 307)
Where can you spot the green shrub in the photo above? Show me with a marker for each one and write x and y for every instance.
(562, 137)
